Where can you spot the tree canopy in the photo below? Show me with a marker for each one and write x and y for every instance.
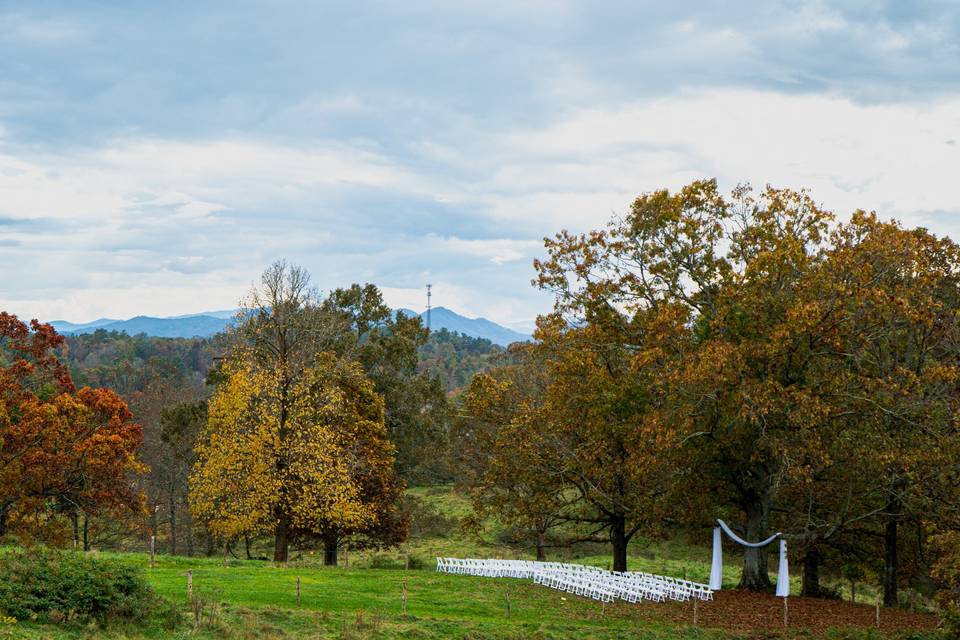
(63, 451)
(756, 359)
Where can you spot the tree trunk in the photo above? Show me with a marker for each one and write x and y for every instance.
(86, 533)
(541, 543)
(618, 536)
(4, 514)
(189, 526)
(281, 539)
(811, 574)
(210, 546)
(330, 551)
(890, 555)
(75, 517)
(246, 546)
(173, 524)
(756, 576)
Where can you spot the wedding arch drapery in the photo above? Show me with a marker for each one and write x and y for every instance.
(716, 571)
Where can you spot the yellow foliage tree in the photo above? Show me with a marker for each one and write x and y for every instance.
(295, 430)
(251, 474)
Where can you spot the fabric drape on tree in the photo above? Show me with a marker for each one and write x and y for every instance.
(740, 540)
(716, 569)
(783, 574)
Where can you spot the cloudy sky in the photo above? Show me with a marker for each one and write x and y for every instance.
(155, 157)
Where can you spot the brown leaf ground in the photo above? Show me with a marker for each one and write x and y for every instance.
(745, 611)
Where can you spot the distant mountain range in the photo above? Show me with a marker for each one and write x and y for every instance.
(206, 324)
(200, 325)
(443, 318)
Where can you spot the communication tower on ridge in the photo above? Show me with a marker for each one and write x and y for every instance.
(429, 287)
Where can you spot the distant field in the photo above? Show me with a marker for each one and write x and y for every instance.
(254, 599)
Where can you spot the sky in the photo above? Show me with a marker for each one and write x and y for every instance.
(156, 157)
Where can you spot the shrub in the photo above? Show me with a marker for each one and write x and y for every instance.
(426, 520)
(946, 570)
(387, 561)
(59, 586)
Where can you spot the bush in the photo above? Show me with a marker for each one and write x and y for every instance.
(387, 561)
(426, 520)
(57, 586)
(946, 570)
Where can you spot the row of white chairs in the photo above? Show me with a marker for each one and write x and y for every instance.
(582, 580)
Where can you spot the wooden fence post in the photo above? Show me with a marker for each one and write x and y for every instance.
(190, 584)
(298, 591)
(785, 611)
(403, 598)
(695, 600)
(153, 549)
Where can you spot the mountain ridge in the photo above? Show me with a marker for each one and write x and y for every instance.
(206, 324)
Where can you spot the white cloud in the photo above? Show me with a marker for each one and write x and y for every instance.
(44, 32)
(893, 158)
(163, 226)
(199, 177)
(497, 251)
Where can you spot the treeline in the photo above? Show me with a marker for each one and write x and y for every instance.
(455, 358)
(745, 357)
(165, 386)
(129, 364)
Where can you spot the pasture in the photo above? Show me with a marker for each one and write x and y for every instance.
(256, 599)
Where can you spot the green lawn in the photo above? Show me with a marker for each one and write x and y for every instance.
(256, 599)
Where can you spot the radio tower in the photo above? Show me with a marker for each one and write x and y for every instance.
(429, 287)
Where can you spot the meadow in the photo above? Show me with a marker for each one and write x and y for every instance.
(236, 598)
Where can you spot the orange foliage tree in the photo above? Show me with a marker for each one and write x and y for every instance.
(62, 451)
(811, 379)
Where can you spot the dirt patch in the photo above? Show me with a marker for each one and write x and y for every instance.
(738, 610)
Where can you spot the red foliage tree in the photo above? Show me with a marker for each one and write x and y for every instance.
(62, 451)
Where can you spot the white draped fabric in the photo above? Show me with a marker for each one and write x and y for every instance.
(783, 575)
(739, 540)
(716, 570)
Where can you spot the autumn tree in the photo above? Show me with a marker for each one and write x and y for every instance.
(364, 447)
(900, 295)
(724, 273)
(591, 433)
(804, 357)
(499, 460)
(247, 471)
(295, 442)
(62, 451)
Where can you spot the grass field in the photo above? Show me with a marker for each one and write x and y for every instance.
(255, 599)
